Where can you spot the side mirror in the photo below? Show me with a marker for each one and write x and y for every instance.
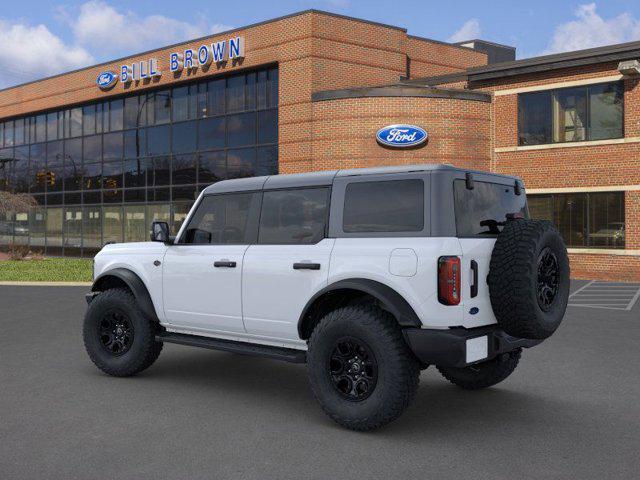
(160, 232)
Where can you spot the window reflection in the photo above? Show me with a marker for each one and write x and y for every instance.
(212, 167)
(241, 130)
(54, 231)
(112, 225)
(37, 227)
(211, 133)
(54, 176)
(157, 213)
(95, 169)
(184, 137)
(588, 220)
(92, 229)
(241, 163)
(134, 224)
(592, 112)
(21, 169)
(73, 230)
(184, 169)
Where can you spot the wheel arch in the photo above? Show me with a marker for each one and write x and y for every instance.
(123, 277)
(346, 291)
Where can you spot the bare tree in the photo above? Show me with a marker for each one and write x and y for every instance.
(15, 202)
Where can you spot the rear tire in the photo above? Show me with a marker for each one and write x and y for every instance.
(361, 371)
(529, 279)
(118, 338)
(483, 375)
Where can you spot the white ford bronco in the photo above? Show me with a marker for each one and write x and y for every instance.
(366, 275)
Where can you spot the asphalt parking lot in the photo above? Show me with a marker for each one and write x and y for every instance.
(571, 410)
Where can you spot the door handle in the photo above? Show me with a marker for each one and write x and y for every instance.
(225, 264)
(306, 266)
(474, 286)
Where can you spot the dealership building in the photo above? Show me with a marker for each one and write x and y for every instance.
(107, 149)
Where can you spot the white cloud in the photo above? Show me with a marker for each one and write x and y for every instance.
(98, 32)
(107, 31)
(589, 29)
(469, 31)
(29, 52)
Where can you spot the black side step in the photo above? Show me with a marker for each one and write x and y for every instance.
(243, 348)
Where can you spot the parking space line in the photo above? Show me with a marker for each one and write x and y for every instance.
(612, 296)
(634, 300)
(597, 306)
(582, 288)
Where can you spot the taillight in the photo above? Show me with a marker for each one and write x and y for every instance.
(449, 280)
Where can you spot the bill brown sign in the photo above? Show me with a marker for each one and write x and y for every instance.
(189, 59)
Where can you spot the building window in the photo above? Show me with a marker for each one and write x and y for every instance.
(577, 114)
(585, 220)
(102, 171)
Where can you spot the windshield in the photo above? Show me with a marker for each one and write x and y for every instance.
(483, 210)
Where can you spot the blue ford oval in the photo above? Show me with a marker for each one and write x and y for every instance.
(106, 80)
(401, 136)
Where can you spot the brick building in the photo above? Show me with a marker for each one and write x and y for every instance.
(107, 149)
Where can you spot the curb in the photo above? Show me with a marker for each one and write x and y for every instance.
(46, 284)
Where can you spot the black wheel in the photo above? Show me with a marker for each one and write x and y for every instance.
(118, 338)
(483, 375)
(529, 279)
(360, 369)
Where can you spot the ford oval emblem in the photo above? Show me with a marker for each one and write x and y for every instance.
(474, 310)
(401, 136)
(106, 80)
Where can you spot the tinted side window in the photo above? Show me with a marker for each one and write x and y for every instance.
(390, 206)
(294, 216)
(220, 219)
(483, 210)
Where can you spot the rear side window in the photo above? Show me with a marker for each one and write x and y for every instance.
(483, 210)
(220, 219)
(391, 206)
(297, 216)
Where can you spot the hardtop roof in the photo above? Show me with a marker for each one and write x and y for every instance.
(326, 177)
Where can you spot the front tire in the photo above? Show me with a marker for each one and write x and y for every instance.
(361, 371)
(485, 374)
(118, 338)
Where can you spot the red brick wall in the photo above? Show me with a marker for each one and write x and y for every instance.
(617, 268)
(344, 131)
(429, 58)
(314, 51)
(578, 167)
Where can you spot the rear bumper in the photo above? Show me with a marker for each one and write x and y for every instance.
(460, 347)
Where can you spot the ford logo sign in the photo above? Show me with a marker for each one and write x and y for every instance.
(401, 136)
(106, 80)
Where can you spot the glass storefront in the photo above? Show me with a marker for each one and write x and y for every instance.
(102, 172)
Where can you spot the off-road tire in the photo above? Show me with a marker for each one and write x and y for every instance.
(398, 371)
(514, 278)
(483, 375)
(144, 349)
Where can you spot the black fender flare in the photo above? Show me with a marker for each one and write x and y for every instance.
(135, 284)
(392, 300)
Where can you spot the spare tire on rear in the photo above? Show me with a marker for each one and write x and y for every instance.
(529, 279)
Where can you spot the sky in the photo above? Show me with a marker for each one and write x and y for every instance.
(39, 38)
